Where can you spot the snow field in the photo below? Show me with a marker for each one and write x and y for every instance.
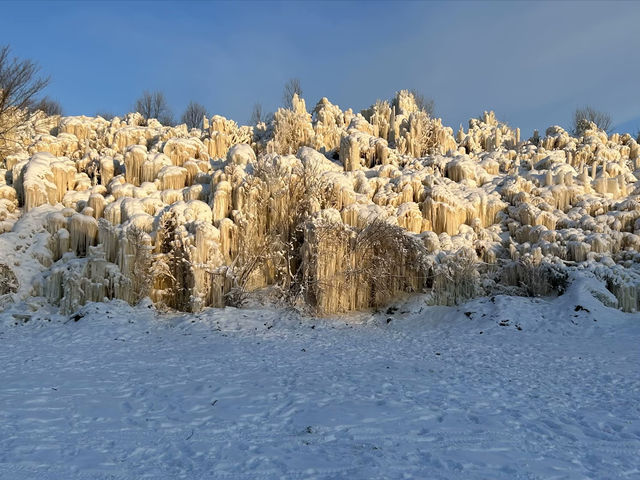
(501, 388)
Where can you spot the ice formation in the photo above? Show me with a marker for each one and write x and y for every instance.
(333, 209)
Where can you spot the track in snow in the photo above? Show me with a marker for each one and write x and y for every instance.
(259, 394)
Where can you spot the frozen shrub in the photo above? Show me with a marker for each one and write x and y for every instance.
(534, 277)
(379, 115)
(293, 191)
(8, 280)
(541, 279)
(404, 102)
(237, 276)
(292, 128)
(289, 192)
(387, 260)
(425, 129)
(624, 284)
(347, 268)
(140, 263)
(173, 268)
(456, 278)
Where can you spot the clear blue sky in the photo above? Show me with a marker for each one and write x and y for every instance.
(533, 63)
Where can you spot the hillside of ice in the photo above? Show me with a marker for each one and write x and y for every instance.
(331, 210)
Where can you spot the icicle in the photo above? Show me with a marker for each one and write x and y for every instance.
(84, 233)
(172, 178)
(134, 158)
(221, 201)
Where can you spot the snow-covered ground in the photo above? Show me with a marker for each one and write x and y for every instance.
(500, 388)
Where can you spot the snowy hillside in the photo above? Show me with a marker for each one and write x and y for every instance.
(501, 388)
(327, 295)
(332, 211)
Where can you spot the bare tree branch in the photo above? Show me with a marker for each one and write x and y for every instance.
(583, 116)
(19, 86)
(426, 105)
(290, 88)
(48, 106)
(194, 114)
(106, 115)
(257, 114)
(154, 105)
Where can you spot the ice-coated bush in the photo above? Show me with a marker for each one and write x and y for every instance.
(8, 280)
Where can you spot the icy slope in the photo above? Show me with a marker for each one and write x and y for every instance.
(340, 210)
(500, 388)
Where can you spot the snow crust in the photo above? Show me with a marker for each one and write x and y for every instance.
(501, 388)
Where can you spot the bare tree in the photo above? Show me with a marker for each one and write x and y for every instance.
(290, 88)
(19, 86)
(106, 115)
(154, 105)
(583, 116)
(257, 114)
(424, 104)
(194, 114)
(48, 106)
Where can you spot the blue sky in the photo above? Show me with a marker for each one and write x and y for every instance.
(533, 63)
